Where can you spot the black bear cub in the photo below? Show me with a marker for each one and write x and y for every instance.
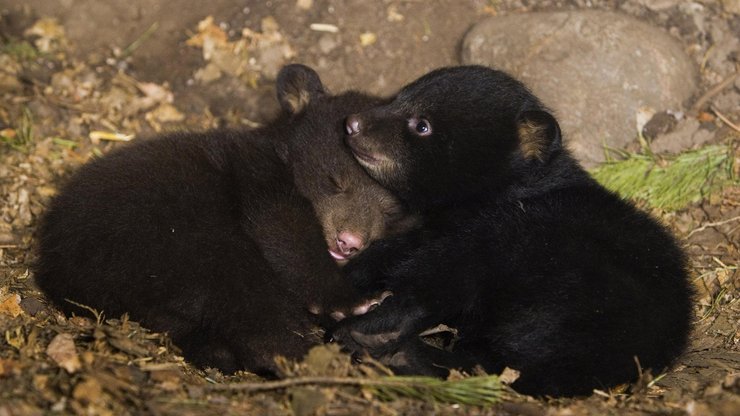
(539, 267)
(221, 238)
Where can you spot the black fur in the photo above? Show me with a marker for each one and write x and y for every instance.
(213, 237)
(540, 268)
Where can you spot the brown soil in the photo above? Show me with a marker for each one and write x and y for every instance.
(128, 68)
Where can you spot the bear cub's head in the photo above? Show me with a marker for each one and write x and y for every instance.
(353, 209)
(452, 134)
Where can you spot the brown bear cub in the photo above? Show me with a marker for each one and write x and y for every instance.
(539, 267)
(221, 238)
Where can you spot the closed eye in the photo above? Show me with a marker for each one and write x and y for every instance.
(336, 182)
(392, 214)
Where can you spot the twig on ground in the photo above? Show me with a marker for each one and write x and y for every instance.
(712, 224)
(98, 315)
(712, 92)
(299, 381)
(725, 119)
(476, 391)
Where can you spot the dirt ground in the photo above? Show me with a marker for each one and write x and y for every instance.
(77, 77)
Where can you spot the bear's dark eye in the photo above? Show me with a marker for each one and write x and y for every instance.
(420, 126)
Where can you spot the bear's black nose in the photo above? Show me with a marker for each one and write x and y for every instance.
(352, 125)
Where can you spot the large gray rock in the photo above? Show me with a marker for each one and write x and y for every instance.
(595, 69)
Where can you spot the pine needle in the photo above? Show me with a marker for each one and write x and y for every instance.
(474, 391)
(669, 184)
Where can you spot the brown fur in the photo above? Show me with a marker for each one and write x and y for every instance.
(533, 140)
(218, 238)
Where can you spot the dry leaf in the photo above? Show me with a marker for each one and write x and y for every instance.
(9, 367)
(62, 351)
(165, 113)
(50, 33)
(156, 92)
(9, 83)
(168, 379)
(11, 306)
(208, 73)
(509, 375)
(40, 381)
(642, 116)
(368, 38)
(393, 15)
(208, 32)
(705, 117)
(269, 25)
(304, 4)
(88, 391)
(9, 133)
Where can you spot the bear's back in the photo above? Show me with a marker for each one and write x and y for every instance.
(125, 219)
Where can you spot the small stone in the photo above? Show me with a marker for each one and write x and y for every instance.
(306, 401)
(327, 43)
(731, 6)
(660, 123)
(686, 135)
(659, 5)
(272, 58)
(594, 68)
(24, 207)
(62, 350)
(32, 306)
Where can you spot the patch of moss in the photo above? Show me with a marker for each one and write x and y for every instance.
(20, 50)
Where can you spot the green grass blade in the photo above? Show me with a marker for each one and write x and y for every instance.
(669, 184)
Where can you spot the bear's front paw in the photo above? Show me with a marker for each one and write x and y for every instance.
(370, 334)
(343, 310)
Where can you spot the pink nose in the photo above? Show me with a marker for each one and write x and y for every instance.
(352, 124)
(349, 243)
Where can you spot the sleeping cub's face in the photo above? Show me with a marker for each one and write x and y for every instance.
(355, 212)
(353, 209)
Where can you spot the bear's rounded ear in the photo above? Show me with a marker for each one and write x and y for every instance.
(297, 85)
(539, 134)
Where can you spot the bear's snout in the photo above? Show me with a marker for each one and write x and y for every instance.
(352, 124)
(347, 244)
